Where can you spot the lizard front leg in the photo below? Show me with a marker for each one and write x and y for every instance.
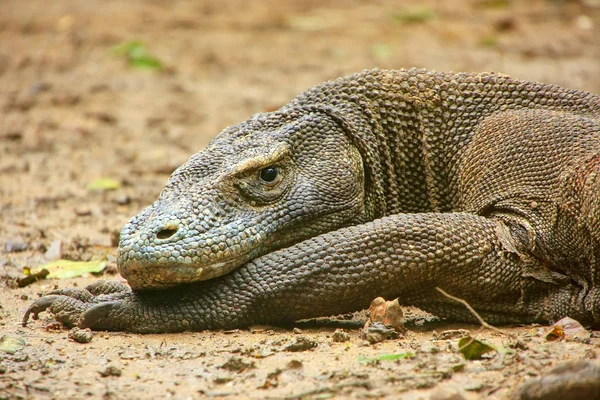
(404, 255)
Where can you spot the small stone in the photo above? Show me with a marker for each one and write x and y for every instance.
(237, 364)
(83, 211)
(570, 380)
(54, 252)
(447, 395)
(220, 380)
(378, 332)
(297, 331)
(110, 370)
(340, 336)
(453, 334)
(81, 335)
(301, 344)
(122, 199)
(15, 247)
(128, 355)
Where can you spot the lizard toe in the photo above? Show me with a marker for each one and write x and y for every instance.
(38, 306)
(100, 317)
(66, 309)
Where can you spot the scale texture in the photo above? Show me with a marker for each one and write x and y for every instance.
(382, 183)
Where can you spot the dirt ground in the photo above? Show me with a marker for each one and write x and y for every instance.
(73, 110)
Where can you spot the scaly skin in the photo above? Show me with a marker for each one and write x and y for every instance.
(383, 183)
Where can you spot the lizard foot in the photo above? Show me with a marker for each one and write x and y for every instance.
(77, 307)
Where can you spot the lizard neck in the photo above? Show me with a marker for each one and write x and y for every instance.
(382, 112)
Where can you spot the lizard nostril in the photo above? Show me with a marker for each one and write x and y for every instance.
(166, 233)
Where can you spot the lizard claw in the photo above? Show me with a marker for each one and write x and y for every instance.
(37, 307)
(66, 308)
(70, 306)
(98, 317)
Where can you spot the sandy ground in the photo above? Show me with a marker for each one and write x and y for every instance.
(72, 111)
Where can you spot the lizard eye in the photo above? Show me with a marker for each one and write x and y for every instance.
(269, 174)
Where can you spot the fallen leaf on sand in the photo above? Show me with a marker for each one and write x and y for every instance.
(473, 349)
(65, 269)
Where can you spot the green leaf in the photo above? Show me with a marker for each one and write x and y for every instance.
(458, 368)
(415, 15)
(489, 41)
(126, 47)
(149, 62)
(65, 269)
(384, 357)
(382, 51)
(11, 344)
(473, 349)
(103, 184)
(137, 55)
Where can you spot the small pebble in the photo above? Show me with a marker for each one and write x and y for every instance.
(54, 252)
(81, 335)
(447, 395)
(301, 344)
(110, 370)
(122, 199)
(570, 380)
(15, 247)
(83, 211)
(378, 332)
(340, 336)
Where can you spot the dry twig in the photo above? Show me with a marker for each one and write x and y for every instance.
(472, 311)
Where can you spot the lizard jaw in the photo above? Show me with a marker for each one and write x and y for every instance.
(142, 276)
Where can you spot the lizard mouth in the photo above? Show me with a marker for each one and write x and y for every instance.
(142, 276)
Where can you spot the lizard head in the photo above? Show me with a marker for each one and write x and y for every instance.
(265, 184)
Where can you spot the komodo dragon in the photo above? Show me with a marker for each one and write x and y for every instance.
(382, 183)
